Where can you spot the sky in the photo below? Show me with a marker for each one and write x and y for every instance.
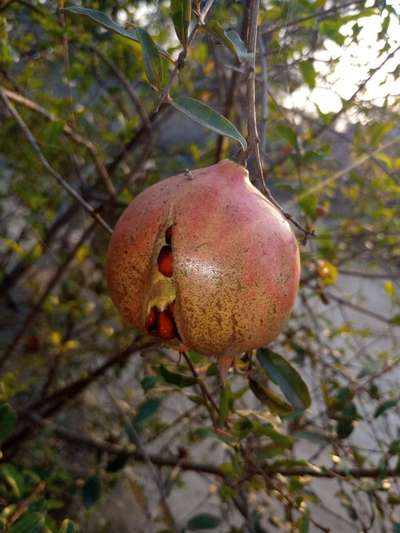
(354, 62)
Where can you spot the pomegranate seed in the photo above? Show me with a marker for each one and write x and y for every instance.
(165, 326)
(151, 320)
(165, 261)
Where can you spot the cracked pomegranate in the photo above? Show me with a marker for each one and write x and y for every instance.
(204, 261)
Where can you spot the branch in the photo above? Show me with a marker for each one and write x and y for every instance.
(125, 83)
(33, 142)
(323, 13)
(317, 133)
(342, 173)
(253, 138)
(68, 132)
(207, 468)
(264, 94)
(53, 403)
(30, 319)
(180, 63)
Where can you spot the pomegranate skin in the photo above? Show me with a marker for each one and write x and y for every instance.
(236, 264)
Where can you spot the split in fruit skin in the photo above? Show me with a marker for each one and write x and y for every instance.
(168, 235)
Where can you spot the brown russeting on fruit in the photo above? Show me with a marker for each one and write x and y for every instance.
(208, 256)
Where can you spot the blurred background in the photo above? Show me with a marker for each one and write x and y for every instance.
(102, 429)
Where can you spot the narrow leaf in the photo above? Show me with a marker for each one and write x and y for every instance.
(146, 410)
(181, 13)
(29, 523)
(304, 526)
(106, 22)
(91, 491)
(286, 377)
(270, 399)
(68, 526)
(287, 133)
(240, 47)
(383, 407)
(230, 38)
(308, 72)
(225, 403)
(8, 421)
(203, 521)
(179, 380)
(207, 117)
(118, 462)
(103, 20)
(151, 58)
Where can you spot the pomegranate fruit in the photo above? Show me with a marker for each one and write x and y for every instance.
(204, 261)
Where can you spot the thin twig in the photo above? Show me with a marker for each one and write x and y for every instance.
(140, 447)
(33, 142)
(342, 173)
(58, 399)
(253, 138)
(68, 132)
(264, 94)
(205, 393)
(323, 13)
(125, 83)
(253, 149)
(33, 314)
(180, 62)
(209, 468)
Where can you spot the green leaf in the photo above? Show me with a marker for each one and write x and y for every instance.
(207, 117)
(106, 22)
(146, 410)
(68, 526)
(267, 430)
(240, 47)
(225, 403)
(287, 133)
(8, 421)
(231, 40)
(103, 20)
(203, 521)
(331, 28)
(309, 205)
(255, 522)
(395, 320)
(13, 478)
(286, 377)
(269, 451)
(384, 406)
(181, 13)
(270, 399)
(312, 436)
(308, 72)
(344, 427)
(151, 58)
(29, 523)
(118, 462)
(91, 491)
(148, 382)
(304, 525)
(179, 380)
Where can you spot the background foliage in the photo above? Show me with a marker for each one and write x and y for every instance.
(98, 437)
